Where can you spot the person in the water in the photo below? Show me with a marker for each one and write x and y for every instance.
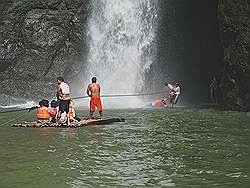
(174, 93)
(94, 91)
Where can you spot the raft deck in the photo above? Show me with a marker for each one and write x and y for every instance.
(82, 123)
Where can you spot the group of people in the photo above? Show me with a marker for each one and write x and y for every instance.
(171, 98)
(48, 112)
(62, 111)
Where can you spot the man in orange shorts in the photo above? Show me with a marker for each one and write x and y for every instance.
(93, 91)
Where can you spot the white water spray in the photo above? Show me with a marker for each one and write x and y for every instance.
(121, 47)
(27, 104)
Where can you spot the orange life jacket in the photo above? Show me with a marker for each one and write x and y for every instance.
(43, 113)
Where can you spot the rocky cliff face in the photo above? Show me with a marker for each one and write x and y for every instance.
(40, 40)
(234, 31)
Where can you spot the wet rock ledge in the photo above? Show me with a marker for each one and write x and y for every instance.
(233, 17)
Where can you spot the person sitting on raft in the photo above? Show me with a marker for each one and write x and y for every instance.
(72, 113)
(93, 91)
(53, 110)
(42, 113)
(63, 120)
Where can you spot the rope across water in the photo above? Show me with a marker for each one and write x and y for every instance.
(103, 96)
(122, 95)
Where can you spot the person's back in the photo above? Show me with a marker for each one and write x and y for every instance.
(43, 113)
(93, 91)
(53, 109)
(64, 97)
(63, 91)
(53, 114)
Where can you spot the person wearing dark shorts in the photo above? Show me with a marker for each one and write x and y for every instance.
(64, 97)
(64, 105)
(94, 91)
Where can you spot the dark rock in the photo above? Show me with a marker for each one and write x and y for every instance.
(234, 31)
(40, 40)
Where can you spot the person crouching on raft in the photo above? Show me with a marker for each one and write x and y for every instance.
(64, 98)
(93, 91)
(72, 113)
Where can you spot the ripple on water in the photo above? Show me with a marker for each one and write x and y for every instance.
(155, 148)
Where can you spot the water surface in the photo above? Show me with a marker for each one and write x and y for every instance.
(182, 148)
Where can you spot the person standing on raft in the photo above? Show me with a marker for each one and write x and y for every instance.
(63, 97)
(94, 91)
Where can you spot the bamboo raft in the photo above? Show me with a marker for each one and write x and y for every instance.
(82, 123)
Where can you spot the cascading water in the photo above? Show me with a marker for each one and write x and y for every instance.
(121, 47)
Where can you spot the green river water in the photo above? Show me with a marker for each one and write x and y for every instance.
(186, 147)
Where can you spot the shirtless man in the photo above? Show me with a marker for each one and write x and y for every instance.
(93, 91)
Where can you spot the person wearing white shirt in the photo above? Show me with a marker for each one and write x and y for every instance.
(63, 97)
(175, 91)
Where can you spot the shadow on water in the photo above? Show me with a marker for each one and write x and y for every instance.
(184, 147)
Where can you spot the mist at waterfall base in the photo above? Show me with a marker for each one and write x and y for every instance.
(121, 49)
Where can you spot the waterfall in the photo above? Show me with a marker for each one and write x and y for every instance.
(121, 37)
